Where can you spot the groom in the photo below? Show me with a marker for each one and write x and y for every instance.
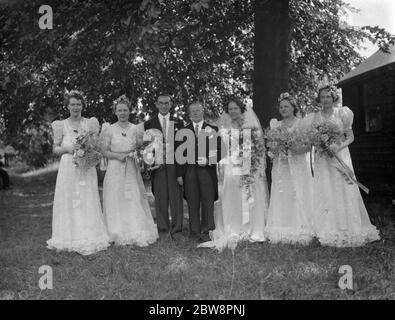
(165, 187)
(199, 177)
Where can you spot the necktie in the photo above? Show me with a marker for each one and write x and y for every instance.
(164, 128)
(164, 124)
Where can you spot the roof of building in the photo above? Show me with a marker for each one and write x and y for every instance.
(377, 60)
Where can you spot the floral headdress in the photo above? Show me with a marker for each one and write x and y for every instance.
(285, 95)
(122, 99)
(332, 90)
(74, 94)
(326, 84)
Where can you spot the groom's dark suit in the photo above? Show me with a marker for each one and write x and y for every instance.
(165, 187)
(201, 184)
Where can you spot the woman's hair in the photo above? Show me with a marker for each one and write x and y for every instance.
(76, 95)
(121, 100)
(237, 101)
(286, 96)
(332, 89)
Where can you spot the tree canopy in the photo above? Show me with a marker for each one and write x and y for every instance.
(192, 49)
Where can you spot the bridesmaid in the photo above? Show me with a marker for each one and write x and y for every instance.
(77, 223)
(126, 209)
(340, 216)
(290, 209)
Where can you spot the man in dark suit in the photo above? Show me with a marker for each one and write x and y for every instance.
(4, 177)
(199, 174)
(165, 187)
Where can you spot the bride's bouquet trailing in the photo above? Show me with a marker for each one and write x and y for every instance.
(253, 147)
(86, 151)
(321, 136)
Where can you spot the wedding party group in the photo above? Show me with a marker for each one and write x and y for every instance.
(314, 193)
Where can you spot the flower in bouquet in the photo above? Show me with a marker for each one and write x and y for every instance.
(148, 153)
(324, 134)
(253, 147)
(86, 151)
(279, 142)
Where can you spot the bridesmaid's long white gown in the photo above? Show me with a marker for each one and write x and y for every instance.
(340, 216)
(125, 205)
(77, 223)
(290, 210)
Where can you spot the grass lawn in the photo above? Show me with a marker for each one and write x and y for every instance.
(168, 270)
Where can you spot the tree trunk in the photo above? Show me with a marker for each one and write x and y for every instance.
(271, 56)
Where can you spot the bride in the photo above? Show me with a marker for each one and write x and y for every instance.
(238, 216)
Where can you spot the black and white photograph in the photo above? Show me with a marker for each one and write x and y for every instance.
(204, 151)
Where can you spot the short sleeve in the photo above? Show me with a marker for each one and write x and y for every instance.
(139, 133)
(93, 125)
(105, 135)
(57, 128)
(347, 117)
(274, 123)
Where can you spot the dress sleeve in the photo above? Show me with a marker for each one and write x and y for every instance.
(93, 125)
(57, 128)
(347, 117)
(105, 135)
(274, 123)
(139, 133)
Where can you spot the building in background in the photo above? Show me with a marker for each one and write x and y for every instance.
(369, 91)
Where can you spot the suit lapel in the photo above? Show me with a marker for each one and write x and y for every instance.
(190, 126)
(157, 123)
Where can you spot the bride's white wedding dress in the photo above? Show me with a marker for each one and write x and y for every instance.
(77, 222)
(290, 210)
(236, 217)
(125, 205)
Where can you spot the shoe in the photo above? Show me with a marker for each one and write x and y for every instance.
(205, 238)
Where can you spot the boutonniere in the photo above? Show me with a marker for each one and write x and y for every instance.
(209, 131)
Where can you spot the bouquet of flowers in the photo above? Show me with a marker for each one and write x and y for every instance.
(144, 154)
(86, 151)
(279, 142)
(254, 151)
(321, 137)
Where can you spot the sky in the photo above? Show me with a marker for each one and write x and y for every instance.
(374, 13)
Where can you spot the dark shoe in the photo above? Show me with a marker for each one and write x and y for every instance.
(205, 237)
